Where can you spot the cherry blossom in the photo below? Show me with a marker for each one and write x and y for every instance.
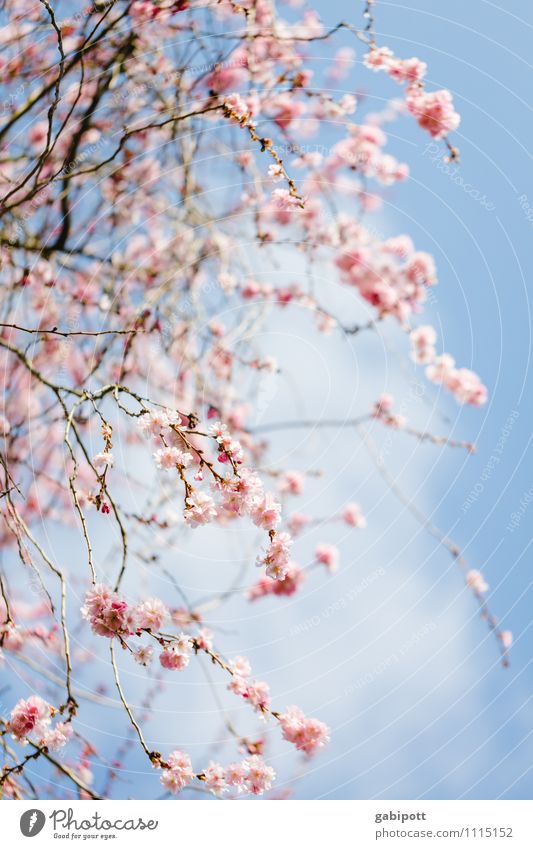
(353, 515)
(306, 734)
(176, 655)
(328, 555)
(30, 717)
(159, 219)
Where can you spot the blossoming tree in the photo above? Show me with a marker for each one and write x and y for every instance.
(129, 317)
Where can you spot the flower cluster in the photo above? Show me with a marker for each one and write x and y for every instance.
(277, 556)
(229, 448)
(423, 341)
(176, 655)
(390, 274)
(464, 384)
(290, 584)
(171, 457)
(434, 111)
(240, 493)
(306, 734)
(362, 152)
(257, 692)
(251, 775)
(110, 615)
(383, 410)
(32, 718)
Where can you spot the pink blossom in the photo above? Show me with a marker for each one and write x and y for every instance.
(284, 200)
(107, 613)
(204, 638)
(176, 655)
(238, 495)
(170, 457)
(58, 736)
(240, 666)
(258, 776)
(29, 717)
(228, 446)
(440, 369)
(258, 694)
(476, 581)
(154, 423)
(328, 555)
(463, 383)
(407, 70)
(103, 459)
(308, 735)
(276, 172)
(179, 772)
(235, 775)
(200, 509)
(236, 104)
(378, 58)
(38, 133)
(353, 516)
(276, 558)
(151, 613)
(507, 639)
(434, 111)
(288, 586)
(285, 109)
(467, 387)
(383, 405)
(297, 522)
(215, 779)
(420, 269)
(423, 341)
(265, 511)
(229, 74)
(293, 483)
(143, 655)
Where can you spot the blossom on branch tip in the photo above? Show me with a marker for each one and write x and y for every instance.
(306, 734)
